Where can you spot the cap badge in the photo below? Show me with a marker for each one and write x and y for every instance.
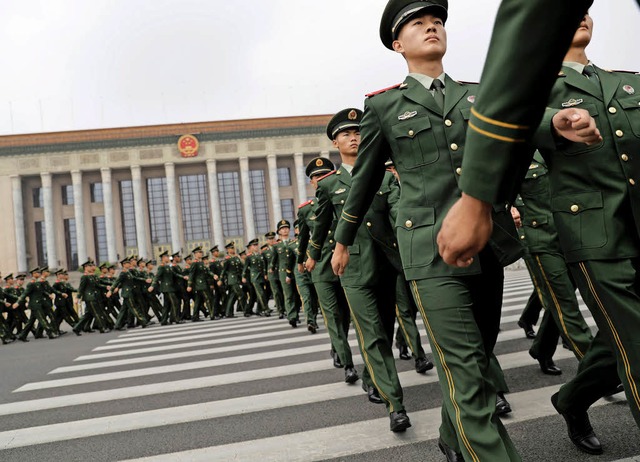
(407, 115)
(319, 163)
(572, 102)
(472, 99)
(353, 115)
(629, 89)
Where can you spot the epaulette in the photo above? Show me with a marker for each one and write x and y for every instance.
(462, 82)
(328, 174)
(310, 201)
(626, 72)
(374, 93)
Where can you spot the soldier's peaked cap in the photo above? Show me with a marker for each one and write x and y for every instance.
(270, 235)
(197, 249)
(164, 254)
(34, 270)
(398, 12)
(253, 242)
(8, 276)
(230, 245)
(319, 166)
(125, 260)
(88, 263)
(283, 224)
(344, 120)
(213, 249)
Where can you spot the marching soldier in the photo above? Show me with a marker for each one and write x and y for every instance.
(165, 282)
(274, 279)
(421, 124)
(38, 297)
(90, 291)
(282, 264)
(218, 292)
(126, 284)
(304, 283)
(254, 273)
(232, 277)
(198, 283)
(64, 305)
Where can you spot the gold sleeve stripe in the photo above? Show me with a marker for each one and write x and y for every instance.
(349, 220)
(497, 122)
(349, 215)
(494, 136)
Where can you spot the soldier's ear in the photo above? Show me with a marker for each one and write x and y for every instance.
(397, 47)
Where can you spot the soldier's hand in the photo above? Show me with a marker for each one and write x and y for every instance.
(215, 276)
(52, 296)
(219, 283)
(244, 281)
(287, 280)
(266, 278)
(517, 219)
(7, 304)
(109, 294)
(340, 259)
(188, 289)
(150, 289)
(148, 281)
(185, 277)
(301, 268)
(465, 231)
(15, 305)
(310, 264)
(576, 125)
(65, 295)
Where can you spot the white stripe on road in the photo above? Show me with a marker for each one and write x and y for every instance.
(215, 409)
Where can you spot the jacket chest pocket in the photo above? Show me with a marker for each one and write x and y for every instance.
(580, 220)
(415, 142)
(631, 108)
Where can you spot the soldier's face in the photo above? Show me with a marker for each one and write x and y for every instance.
(582, 37)
(314, 181)
(284, 232)
(347, 142)
(422, 37)
(271, 240)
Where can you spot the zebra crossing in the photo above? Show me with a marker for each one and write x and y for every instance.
(255, 389)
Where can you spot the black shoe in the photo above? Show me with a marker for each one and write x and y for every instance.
(311, 328)
(404, 352)
(61, 332)
(399, 421)
(179, 322)
(196, 320)
(6, 342)
(90, 331)
(350, 375)
(450, 454)
(423, 365)
(52, 336)
(528, 329)
(372, 394)
(579, 428)
(293, 323)
(336, 360)
(281, 316)
(120, 328)
(23, 339)
(614, 391)
(547, 366)
(502, 405)
(77, 332)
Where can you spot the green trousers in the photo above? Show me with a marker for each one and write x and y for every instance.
(170, 308)
(261, 297)
(468, 308)
(288, 290)
(93, 312)
(129, 307)
(235, 294)
(610, 290)
(309, 299)
(335, 311)
(406, 312)
(373, 314)
(276, 290)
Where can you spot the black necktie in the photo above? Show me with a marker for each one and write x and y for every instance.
(438, 94)
(590, 73)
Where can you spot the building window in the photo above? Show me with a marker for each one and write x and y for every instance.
(288, 212)
(37, 198)
(71, 243)
(159, 210)
(284, 176)
(41, 243)
(230, 205)
(259, 201)
(195, 207)
(67, 194)
(100, 239)
(96, 192)
(128, 214)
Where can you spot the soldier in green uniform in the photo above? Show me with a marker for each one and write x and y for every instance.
(16, 318)
(231, 276)
(6, 306)
(164, 282)
(198, 283)
(274, 280)
(38, 297)
(48, 304)
(282, 264)
(64, 304)
(254, 273)
(125, 284)
(304, 283)
(218, 292)
(90, 291)
(421, 124)
(316, 259)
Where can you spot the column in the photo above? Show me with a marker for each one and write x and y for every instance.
(78, 207)
(50, 229)
(170, 172)
(141, 217)
(214, 203)
(272, 166)
(18, 218)
(109, 222)
(247, 207)
(298, 162)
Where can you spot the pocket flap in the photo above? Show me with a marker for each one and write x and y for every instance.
(411, 127)
(576, 203)
(534, 222)
(632, 102)
(466, 113)
(410, 218)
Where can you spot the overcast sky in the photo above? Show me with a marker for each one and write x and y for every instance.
(80, 64)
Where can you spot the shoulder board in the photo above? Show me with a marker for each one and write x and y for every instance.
(462, 82)
(626, 72)
(561, 74)
(374, 93)
(305, 203)
(328, 174)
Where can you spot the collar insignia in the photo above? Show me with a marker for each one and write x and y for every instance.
(572, 102)
(407, 115)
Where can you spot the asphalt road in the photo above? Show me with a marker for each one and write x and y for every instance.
(256, 389)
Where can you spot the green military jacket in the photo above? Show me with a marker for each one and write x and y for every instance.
(199, 276)
(165, 279)
(595, 198)
(284, 259)
(538, 226)
(426, 144)
(126, 282)
(254, 269)
(91, 288)
(232, 270)
(306, 223)
(37, 294)
(268, 255)
(63, 287)
(301, 278)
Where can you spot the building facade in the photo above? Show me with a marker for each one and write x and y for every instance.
(141, 190)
